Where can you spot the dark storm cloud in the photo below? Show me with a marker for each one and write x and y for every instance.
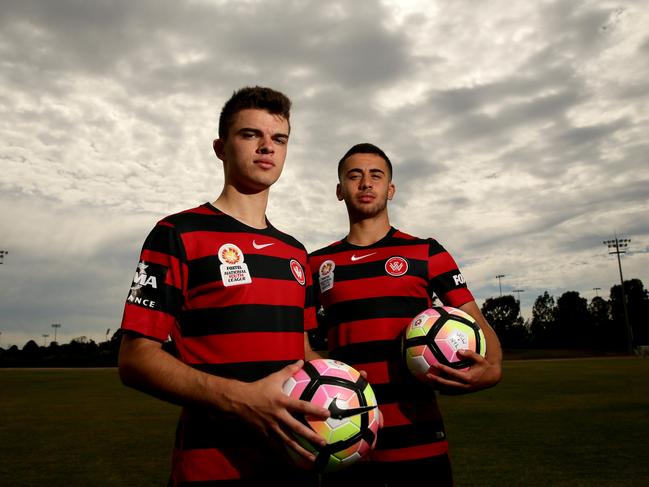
(150, 45)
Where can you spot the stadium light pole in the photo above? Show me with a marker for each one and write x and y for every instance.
(597, 289)
(45, 335)
(518, 293)
(618, 246)
(2, 258)
(55, 326)
(499, 277)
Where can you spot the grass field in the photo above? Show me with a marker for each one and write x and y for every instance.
(581, 422)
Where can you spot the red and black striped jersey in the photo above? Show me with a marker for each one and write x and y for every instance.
(369, 295)
(236, 301)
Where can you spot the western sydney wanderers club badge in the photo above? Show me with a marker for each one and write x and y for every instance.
(234, 271)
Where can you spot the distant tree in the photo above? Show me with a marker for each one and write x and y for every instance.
(30, 354)
(573, 321)
(31, 347)
(600, 315)
(543, 320)
(116, 339)
(637, 306)
(504, 315)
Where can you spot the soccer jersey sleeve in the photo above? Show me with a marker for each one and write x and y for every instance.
(444, 277)
(158, 288)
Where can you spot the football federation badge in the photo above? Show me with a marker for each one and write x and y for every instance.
(234, 271)
(326, 275)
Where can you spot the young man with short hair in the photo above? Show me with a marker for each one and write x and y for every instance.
(233, 293)
(371, 284)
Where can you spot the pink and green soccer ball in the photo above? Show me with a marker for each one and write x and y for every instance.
(349, 435)
(435, 335)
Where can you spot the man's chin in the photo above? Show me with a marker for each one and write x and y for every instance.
(366, 211)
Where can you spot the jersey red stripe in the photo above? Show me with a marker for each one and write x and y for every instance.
(374, 287)
(150, 323)
(207, 243)
(265, 291)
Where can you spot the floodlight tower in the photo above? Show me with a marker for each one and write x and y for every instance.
(618, 246)
(45, 335)
(597, 289)
(518, 293)
(55, 326)
(2, 258)
(499, 277)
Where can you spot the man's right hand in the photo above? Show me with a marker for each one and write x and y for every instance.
(264, 405)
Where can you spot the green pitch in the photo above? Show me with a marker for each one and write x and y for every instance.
(578, 422)
(74, 427)
(581, 422)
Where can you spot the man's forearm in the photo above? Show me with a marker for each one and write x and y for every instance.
(145, 366)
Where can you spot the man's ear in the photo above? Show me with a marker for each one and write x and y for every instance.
(391, 190)
(339, 192)
(219, 148)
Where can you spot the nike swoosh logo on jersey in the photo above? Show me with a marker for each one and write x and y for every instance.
(338, 413)
(261, 246)
(359, 257)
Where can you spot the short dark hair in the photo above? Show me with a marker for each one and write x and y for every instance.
(257, 97)
(364, 148)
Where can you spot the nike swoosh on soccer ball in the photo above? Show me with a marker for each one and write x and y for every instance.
(359, 257)
(261, 246)
(338, 413)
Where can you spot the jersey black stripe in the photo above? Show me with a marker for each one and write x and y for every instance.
(372, 351)
(241, 319)
(208, 269)
(406, 391)
(416, 267)
(445, 282)
(370, 308)
(197, 222)
(211, 429)
(244, 371)
(388, 241)
(404, 436)
(165, 240)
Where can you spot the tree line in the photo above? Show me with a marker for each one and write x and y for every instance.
(571, 322)
(79, 352)
(568, 323)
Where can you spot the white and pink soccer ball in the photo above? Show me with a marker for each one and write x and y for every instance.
(435, 335)
(351, 430)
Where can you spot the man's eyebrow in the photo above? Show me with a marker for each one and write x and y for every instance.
(373, 170)
(259, 131)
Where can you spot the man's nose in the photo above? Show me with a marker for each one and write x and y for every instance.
(266, 145)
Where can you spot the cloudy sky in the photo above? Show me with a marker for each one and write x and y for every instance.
(518, 131)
